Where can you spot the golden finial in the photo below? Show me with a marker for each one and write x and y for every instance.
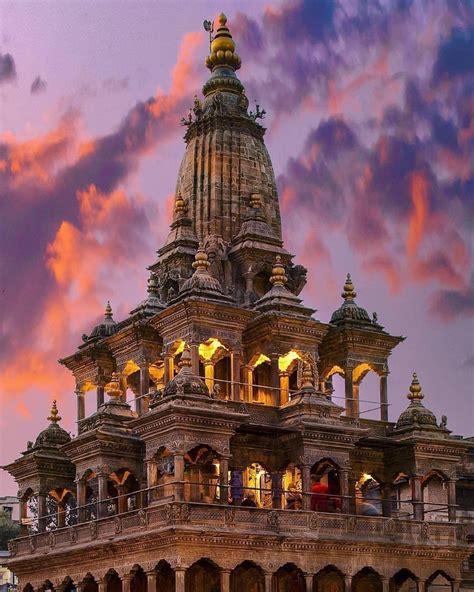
(185, 361)
(223, 47)
(108, 311)
(180, 207)
(308, 377)
(201, 263)
(348, 291)
(415, 393)
(112, 388)
(54, 414)
(278, 277)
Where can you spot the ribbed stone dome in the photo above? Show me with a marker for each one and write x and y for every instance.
(185, 383)
(349, 311)
(416, 414)
(106, 328)
(53, 436)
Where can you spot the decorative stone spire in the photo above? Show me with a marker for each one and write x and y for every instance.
(307, 377)
(112, 388)
(223, 48)
(415, 393)
(278, 277)
(108, 311)
(54, 416)
(185, 361)
(201, 260)
(348, 291)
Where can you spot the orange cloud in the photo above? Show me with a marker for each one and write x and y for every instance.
(417, 221)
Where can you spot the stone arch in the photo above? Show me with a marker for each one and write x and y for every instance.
(203, 576)
(329, 579)
(47, 585)
(367, 580)
(160, 474)
(201, 474)
(404, 581)
(113, 583)
(289, 578)
(28, 588)
(165, 577)
(435, 495)
(125, 484)
(67, 585)
(400, 487)
(138, 583)
(326, 486)
(260, 368)
(247, 576)
(439, 581)
(88, 584)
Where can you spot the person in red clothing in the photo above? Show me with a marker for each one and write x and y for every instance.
(319, 495)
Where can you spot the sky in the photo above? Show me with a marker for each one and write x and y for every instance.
(370, 126)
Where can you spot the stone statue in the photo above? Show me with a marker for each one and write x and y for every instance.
(444, 422)
(197, 108)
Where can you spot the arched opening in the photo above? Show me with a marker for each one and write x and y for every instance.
(222, 378)
(439, 581)
(47, 586)
(165, 578)
(261, 284)
(247, 576)
(161, 475)
(29, 511)
(325, 487)
(203, 576)
(201, 475)
(368, 496)
(333, 384)
(288, 372)
(125, 484)
(63, 504)
(404, 581)
(435, 497)
(257, 484)
(261, 381)
(138, 583)
(401, 496)
(28, 588)
(214, 367)
(366, 391)
(91, 495)
(329, 579)
(292, 486)
(112, 582)
(89, 584)
(367, 580)
(67, 585)
(289, 578)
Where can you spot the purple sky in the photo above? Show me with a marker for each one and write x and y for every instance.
(370, 127)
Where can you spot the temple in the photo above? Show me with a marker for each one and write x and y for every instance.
(218, 456)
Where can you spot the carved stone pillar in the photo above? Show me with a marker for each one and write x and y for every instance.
(100, 392)
(23, 503)
(347, 583)
(248, 286)
(417, 497)
(284, 387)
(386, 491)
(349, 392)
(225, 580)
(268, 582)
(309, 582)
(237, 489)
(194, 351)
(385, 585)
(352, 495)
(235, 374)
(455, 584)
(151, 581)
(126, 581)
(344, 488)
(224, 480)
(277, 486)
(275, 379)
(122, 499)
(209, 374)
(61, 515)
(306, 483)
(81, 404)
(383, 398)
(355, 400)
(123, 388)
(42, 511)
(142, 403)
(101, 584)
(248, 372)
(81, 500)
(168, 367)
(452, 500)
(180, 573)
(102, 487)
(179, 477)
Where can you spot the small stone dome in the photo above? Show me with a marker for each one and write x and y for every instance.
(106, 328)
(349, 310)
(53, 436)
(201, 278)
(416, 414)
(185, 383)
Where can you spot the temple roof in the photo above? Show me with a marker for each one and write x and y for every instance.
(416, 414)
(350, 311)
(53, 436)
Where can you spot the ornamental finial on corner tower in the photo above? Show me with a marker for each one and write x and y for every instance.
(222, 47)
(348, 292)
(54, 416)
(415, 393)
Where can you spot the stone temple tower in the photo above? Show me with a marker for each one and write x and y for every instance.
(218, 457)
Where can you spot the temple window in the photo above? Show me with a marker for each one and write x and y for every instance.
(405, 581)
(257, 486)
(325, 487)
(367, 580)
(247, 576)
(329, 579)
(435, 497)
(288, 374)
(202, 576)
(161, 475)
(439, 581)
(368, 496)
(64, 506)
(401, 496)
(201, 475)
(292, 486)
(261, 377)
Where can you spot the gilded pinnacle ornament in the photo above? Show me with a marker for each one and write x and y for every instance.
(348, 291)
(278, 277)
(54, 416)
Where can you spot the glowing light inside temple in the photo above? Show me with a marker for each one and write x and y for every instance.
(365, 477)
(209, 348)
(262, 358)
(285, 361)
(130, 368)
(359, 372)
(335, 370)
(180, 347)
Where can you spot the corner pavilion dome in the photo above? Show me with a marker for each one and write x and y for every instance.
(53, 436)
(349, 311)
(416, 414)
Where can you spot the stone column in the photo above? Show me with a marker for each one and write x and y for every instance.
(284, 387)
(309, 582)
(235, 374)
(81, 404)
(122, 499)
(383, 398)
(276, 396)
(248, 371)
(41, 511)
(23, 503)
(237, 500)
(306, 484)
(352, 495)
(452, 500)
(455, 584)
(386, 491)
(209, 374)
(151, 581)
(61, 515)
(224, 480)
(142, 403)
(126, 581)
(168, 367)
(101, 585)
(102, 486)
(178, 477)
(81, 500)
(248, 286)
(268, 582)
(123, 388)
(194, 351)
(347, 583)
(344, 488)
(417, 497)
(277, 486)
(349, 392)
(385, 585)
(355, 401)
(180, 573)
(100, 392)
(225, 580)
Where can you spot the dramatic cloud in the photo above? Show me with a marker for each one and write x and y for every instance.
(38, 86)
(7, 68)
